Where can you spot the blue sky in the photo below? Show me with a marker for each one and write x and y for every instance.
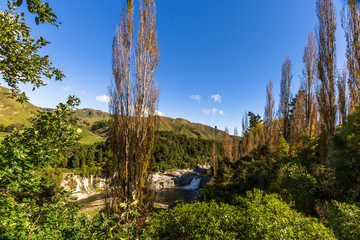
(216, 55)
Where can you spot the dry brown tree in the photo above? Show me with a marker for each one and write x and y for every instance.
(236, 145)
(297, 120)
(351, 24)
(342, 99)
(284, 105)
(214, 159)
(309, 74)
(325, 11)
(269, 130)
(227, 146)
(244, 144)
(133, 102)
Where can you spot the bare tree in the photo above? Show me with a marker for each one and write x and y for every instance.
(133, 101)
(214, 160)
(244, 141)
(325, 11)
(297, 120)
(309, 73)
(236, 146)
(351, 24)
(286, 77)
(342, 103)
(227, 146)
(269, 117)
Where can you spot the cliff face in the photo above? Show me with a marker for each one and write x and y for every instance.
(83, 187)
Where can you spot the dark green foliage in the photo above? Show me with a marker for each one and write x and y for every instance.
(225, 193)
(36, 146)
(347, 157)
(31, 203)
(100, 124)
(254, 119)
(258, 216)
(342, 218)
(178, 151)
(170, 151)
(88, 156)
(225, 172)
(294, 183)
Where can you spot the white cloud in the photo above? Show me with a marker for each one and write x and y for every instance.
(216, 97)
(158, 113)
(104, 98)
(67, 88)
(213, 111)
(195, 97)
(210, 111)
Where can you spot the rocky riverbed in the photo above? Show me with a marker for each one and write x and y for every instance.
(84, 187)
(168, 186)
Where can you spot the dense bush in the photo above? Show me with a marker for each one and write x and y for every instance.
(179, 151)
(257, 216)
(100, 124)
(347, 157)
(294, 183)
(343, 218)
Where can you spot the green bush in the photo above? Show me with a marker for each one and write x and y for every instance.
(343, 218)
(294, 183)
(257, 216)
(196, 221)
(268, 217)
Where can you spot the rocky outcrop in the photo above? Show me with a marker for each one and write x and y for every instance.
(83, 187)
(205, 180)
(181, 177)
(185, 179)
(160, 181)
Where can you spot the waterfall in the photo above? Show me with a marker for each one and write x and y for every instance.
(194, 184)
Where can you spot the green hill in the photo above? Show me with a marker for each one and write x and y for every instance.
(187, 128)
(12, 112)
(88, 116)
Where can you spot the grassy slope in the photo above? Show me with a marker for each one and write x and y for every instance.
(182, 126)
(88, 116)
(15, 112)
(88, 137)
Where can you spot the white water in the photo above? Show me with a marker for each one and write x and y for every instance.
(195, 183)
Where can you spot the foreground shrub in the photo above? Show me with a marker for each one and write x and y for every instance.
(343, 218)
(265, 216)
(257, 216)
(197, 221)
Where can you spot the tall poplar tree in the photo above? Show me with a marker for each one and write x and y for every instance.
(284, 107)
(269, 130)
(351, 25)
(309, 74)
(133, 101)
(342, 99)
(325, 11)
